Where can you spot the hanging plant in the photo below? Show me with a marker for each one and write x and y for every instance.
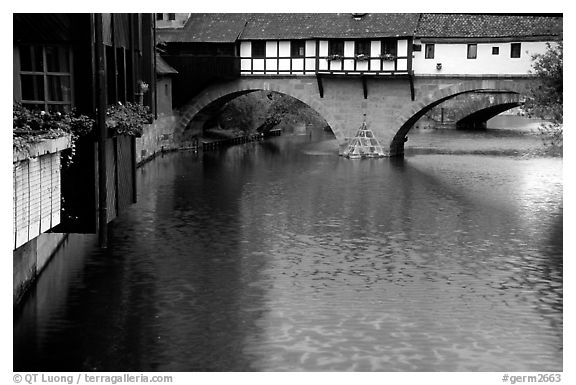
(127, 119)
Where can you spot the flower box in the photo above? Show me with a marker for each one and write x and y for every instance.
(36, 188)
(333, 58)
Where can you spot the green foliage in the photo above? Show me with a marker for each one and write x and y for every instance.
(127, 119)
(545, 98)
(30, 126)
(261, 111)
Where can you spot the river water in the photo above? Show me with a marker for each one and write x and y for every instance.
(282, 256)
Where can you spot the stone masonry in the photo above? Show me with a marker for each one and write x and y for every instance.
(390, 111)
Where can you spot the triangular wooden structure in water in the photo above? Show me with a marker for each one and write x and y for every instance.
(364, 145)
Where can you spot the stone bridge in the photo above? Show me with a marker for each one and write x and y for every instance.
(472, 110)
(392, 105)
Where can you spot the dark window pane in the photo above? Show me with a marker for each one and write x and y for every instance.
(495, 50)
(159, 16)
(258, 49)
(32, 87)
(515, 50)
(336, 47)
(362, 47)
(429, 53)
(59, 88)
(297, 48)
(57, 59)
(34, 106)
(31, 58)
(171, 16)
(59, 107)
(472, 51)
(389, 47)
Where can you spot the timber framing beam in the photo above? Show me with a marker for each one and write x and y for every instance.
(320, 85)
(411, 80)
(365, 87)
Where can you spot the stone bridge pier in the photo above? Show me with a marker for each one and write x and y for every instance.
(391, 104)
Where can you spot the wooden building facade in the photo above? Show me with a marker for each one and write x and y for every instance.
(87, 62)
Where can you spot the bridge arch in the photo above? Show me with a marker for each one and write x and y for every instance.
(218, 94)
(411, 113)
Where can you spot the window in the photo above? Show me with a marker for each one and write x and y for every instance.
(429, 53)
(171, 16)
(495, 50)
(362, 47)
(417, 47)
(159, 16)
(336, 47)
(389, 47)
(472, 51)
(297, 48)
(515, 50)
(46, 77)
(259, 49)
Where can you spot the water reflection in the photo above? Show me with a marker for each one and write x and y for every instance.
(280, 255)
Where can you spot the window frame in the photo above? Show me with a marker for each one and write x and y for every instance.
(159, 16)
(389, 43)
(295, 46)
(513, 51)
(429, 54)
(261, 44)
(333, 44)
(475, 51)
(365, 44)
(171, 16)
(45, 74)
(495, 50)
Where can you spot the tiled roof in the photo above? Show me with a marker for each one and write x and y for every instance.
(328, 25)
(229, 27)
(163, 68)
(206, 28)
(476, 25)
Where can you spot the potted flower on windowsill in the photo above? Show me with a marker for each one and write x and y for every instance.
(388, 57)
(37, 132)
(362, 57)
(334, 57)
(127, 119)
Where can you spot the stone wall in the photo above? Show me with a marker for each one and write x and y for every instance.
(157, 137)
(29, 260)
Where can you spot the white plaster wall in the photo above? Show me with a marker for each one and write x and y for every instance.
(284, 64)
(271, 64)
(245, 48)
(310, 47)
(271, 48)
(245, 64)
(349, 48)
(284, 48)
(311, 64)
(402, 47)
(375, 48)
(455, 62)
(323, 48)
(297, 64)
